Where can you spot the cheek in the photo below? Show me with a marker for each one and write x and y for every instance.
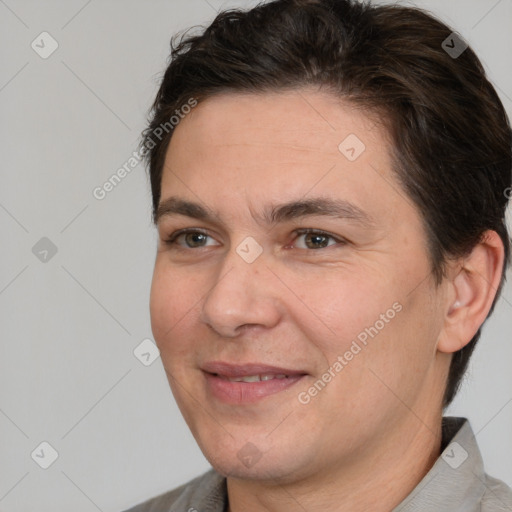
(401, 356)
(172, 303)
(161, 304)
(350, 304)
(376, 322)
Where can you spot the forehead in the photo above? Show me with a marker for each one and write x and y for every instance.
(271, 147)
(295, 124)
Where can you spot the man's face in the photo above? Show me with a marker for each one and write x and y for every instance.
(349, 314)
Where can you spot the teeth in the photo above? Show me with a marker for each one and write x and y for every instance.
(256, 378)
(248, 378)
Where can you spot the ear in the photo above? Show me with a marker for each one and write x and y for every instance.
(472, 288)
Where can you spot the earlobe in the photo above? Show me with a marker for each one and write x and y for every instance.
(474, 287)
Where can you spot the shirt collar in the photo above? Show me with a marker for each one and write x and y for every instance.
(455, 483)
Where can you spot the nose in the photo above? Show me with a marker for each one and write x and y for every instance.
(242, 295)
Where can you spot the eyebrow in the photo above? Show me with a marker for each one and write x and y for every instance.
(317, 206)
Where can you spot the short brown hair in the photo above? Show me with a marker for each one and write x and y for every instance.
(451, 138)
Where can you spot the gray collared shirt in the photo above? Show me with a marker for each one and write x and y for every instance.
(456, 483)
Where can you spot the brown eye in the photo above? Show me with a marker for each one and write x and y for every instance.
(194, 239)
(315, 239)
(189, 239)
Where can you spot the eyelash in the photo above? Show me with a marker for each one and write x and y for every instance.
(171, 241)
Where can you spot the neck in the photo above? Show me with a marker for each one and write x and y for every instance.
(378, 480)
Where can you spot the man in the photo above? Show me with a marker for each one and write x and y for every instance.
(329, 186)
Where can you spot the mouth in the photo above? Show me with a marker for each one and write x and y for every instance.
(254, 378)
(248, 383)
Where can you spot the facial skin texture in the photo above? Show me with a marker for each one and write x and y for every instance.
(370, 435)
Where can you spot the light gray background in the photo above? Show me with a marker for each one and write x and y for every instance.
(68, 374)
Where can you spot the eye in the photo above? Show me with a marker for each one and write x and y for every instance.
(316, 239)
(192, 239)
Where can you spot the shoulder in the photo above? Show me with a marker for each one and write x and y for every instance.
(497, 496)
(209, 487)
(162, 502)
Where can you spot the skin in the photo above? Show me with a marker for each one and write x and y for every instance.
(370, 435)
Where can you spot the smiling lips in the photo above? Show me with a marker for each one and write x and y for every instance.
(238, 384)
(254, 378)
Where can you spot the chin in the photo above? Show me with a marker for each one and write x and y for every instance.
(277, 463)
(259, 471)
